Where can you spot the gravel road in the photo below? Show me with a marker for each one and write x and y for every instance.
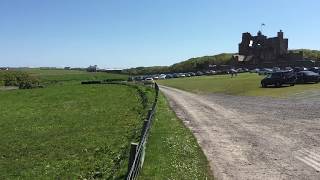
(253, 137)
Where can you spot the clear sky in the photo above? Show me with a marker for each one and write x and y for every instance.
(130, 33)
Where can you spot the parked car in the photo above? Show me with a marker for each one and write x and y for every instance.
(169, 76)
(199, 73)
(213, 72)
(288, 69)
(240, 70)
(276, 69)
(298, 69)
(148, 81)
(265, 71)
(138, 78)
(155, 77)
(175, 75)
(192, 73)
(162, 76)
(182, 75)
(188, 75)
(255, 70)
(315, 69)
(279, 78)
(207, 73)
(307, 76)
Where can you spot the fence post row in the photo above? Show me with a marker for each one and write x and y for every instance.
(137, 151)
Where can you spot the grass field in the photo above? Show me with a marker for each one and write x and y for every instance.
(54, 76)
(67, 130)
(72, 131)
(172, 151)
(60, 75)
(245, 84)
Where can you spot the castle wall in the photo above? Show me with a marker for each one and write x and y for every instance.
(263, 49)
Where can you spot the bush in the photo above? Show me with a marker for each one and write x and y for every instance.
(21, 79)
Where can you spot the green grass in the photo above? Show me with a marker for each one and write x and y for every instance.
(60, 75)
(72, 131)
(245, 84)
(68, 132)
(172, 151)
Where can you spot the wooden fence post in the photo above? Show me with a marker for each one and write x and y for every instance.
(133, 152)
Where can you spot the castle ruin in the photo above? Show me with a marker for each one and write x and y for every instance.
(261, 51)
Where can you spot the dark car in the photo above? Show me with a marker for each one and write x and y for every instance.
(192, 73)
(279, 78)
(199, 73)
(315, 69)
(298, 69)
(307, 77)
(169, 76)
(175, 75)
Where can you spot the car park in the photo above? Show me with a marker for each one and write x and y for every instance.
(307, 77)
(279, 78)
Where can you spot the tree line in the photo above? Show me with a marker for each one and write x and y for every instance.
(190, 65)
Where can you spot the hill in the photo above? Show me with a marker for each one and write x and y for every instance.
(308, 53)
(202, 63)
(192, 64)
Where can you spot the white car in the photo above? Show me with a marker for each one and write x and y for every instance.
(162, 76)
(148, 81)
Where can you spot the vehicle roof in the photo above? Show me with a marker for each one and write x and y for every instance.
(281, 71)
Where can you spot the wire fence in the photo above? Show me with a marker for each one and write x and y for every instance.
(137, 150)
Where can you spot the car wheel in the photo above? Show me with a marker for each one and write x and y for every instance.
(278, 84)
(263, 85)
(291, 84)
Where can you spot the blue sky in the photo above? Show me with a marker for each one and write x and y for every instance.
(130, 33)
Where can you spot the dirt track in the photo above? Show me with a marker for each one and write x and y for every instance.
(253, 137)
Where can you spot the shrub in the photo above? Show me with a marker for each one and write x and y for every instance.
(21, 79)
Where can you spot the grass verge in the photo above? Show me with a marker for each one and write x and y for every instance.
(172, 151)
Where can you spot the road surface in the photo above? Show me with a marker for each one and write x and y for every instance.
(253, 137)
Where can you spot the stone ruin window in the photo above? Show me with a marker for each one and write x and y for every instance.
(251, 43)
